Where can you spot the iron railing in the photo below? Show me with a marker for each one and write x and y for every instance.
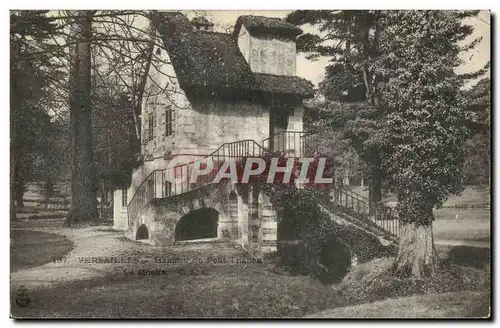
(158, 184)
(289, 143)
(309, 142)
(297, 144)
(356, 205)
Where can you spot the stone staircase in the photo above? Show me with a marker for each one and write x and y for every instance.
(382, 222)
(378, 219)
(344, 205)
(156, 185)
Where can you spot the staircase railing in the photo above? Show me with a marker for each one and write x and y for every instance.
(347, 201)
(158, 183)
(358, 206)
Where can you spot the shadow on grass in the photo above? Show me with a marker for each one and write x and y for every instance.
(29, 249)
(476, 257)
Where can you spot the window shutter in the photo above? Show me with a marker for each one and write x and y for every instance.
(169, 120)
(145, 134)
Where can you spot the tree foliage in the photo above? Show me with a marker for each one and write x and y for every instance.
(350, 39)
(411, 117)
(33, 75)
(426, 125)
(478, 148)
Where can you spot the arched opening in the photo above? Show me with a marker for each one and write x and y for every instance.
(198, 224)
(142, 233)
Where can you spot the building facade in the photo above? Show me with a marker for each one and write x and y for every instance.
(206, 89)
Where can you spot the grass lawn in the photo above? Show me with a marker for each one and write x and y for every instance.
(226, 291)
(214, 290)
(470, 225)
(450, 305)
(470, 195)
(33, 248)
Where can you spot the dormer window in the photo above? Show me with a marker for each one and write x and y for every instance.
(158, 52)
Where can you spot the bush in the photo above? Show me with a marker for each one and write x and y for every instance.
(294, 257)
(309, 242)
(365, 246)
(333, 262)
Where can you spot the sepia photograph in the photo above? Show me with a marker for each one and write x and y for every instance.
(250, 164)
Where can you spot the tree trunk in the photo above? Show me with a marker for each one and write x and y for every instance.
(136, 108)
(375, 189)
(12, 184)
(19, 191)
(83, 189)
(417, 254)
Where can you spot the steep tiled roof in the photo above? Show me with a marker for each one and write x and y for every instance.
(214, 60)
(284, 84)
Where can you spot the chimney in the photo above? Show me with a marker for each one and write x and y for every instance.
(268, 44)
(202, 24)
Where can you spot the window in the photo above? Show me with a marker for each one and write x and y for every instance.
(158, 51)
(169, 120)
(150, 127)
(124, 197)
(168, 188)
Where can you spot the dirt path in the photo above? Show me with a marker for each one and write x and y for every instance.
(101, 252)
(89, 242)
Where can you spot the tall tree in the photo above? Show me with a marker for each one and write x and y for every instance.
(350, 39)
(122, 52)
(116, 44)
(427, 123)
(83, 178)
(32, 75)
(478, 149)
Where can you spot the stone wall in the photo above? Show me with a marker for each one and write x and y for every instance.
(161, 216)
(268, 225)
(163, 99)
(218, 121)
(244, 43)
(245, 216)
(273, 55)
(120, 220)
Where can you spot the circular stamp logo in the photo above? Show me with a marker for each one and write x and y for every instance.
(22, 299)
